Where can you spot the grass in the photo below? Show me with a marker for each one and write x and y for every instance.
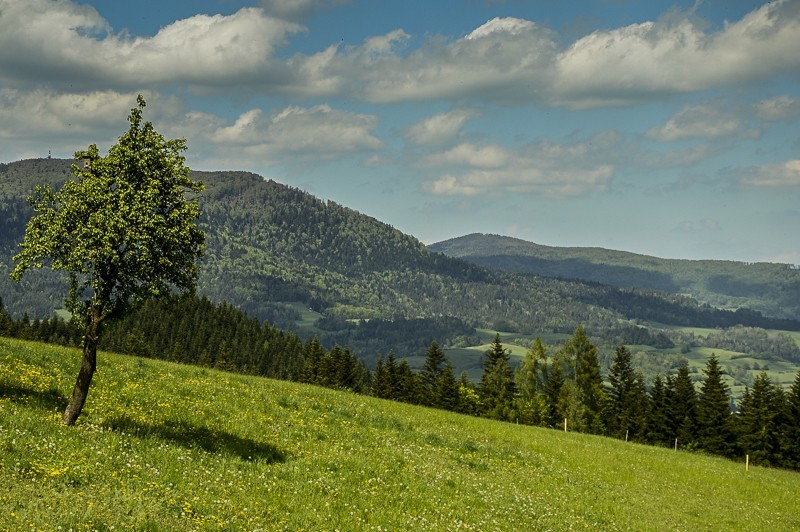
(167, 447)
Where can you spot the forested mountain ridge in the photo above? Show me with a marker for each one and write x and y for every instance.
(269, 244)
(772, 289)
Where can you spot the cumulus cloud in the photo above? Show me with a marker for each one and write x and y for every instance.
(439, 129)
(506, 60)
(41, 111)
(675, 55)
(703, 121)
(511, 60)
(287, 136)
(503, 60)
(785, 174)
(546, 168)
(44, 40)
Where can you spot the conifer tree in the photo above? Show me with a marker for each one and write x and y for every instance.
(497, 382)
(683, 406)
(552, 393)
(381, 386)
(621, 397)
(793, 424)
(658, 422)
(432, 370)
(761, 423)
(446, 394)
(714, 423)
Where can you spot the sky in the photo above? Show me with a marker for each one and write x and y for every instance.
(664, 128)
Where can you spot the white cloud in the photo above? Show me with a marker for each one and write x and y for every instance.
(440, 128)
(293, 135)
(703, 121)
(786, 174)
(470, 155)
(674, 55)
(509, 26)
(545, 168)
(505, 60)
(43, 40)
(780, 108)
(510, 60)
(75, 117)
(496, 62)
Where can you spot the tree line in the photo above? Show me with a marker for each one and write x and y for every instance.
(551, 385)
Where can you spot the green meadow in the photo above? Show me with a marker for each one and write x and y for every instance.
(162, 446)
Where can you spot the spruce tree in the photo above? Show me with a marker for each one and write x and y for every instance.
(381, 386)
(446, 394)
(683, 407)
(714, 423)
(432, 370)
(659, 431)
(793, 424)
(497, 382)
(621, 394)
(760, 422)
(552, 391)
(313, 358)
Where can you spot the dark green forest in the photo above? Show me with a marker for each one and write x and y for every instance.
(272, 249)
(554, 386)
(771, 289)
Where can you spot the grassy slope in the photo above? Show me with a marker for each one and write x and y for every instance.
(163, 446)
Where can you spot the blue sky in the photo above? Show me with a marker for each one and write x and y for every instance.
(665, 128)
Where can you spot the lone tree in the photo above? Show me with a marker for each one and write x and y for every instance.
(124, 231)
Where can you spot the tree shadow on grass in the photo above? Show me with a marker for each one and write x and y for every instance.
(203, 438)
(51, 399)
(186, 435)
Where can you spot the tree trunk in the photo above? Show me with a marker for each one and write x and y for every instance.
(85, 374)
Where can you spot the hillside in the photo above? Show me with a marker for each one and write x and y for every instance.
(772, 289)
(305, 264)
(167, 447)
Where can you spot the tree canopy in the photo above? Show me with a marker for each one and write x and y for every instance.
(123, 229)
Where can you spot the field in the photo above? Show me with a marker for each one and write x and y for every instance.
(168, 447)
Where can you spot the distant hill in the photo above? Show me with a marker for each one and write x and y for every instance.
(317, 267)
(772, 289)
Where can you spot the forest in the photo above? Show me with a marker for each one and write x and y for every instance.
(771, 289)
(379, 297)
(560, 387)
(270, 246)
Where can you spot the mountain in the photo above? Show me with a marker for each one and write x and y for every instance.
(772, 289)
(305, 264)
